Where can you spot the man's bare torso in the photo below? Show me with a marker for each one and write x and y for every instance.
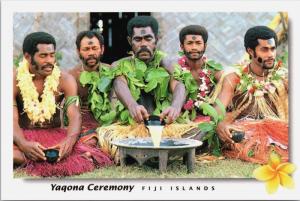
(25, 122)
(82, 91)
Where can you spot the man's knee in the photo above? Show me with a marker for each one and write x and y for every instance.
(18, 155)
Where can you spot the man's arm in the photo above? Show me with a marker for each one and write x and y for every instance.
(224, 127)
(286, 84)
(32, 150)
(19, 138)
(228, 88)
(218, 74)
(69, 87)
(73, 111)
(138, 112)
(179, 96)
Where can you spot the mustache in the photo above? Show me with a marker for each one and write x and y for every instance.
(85, 60)
(192, 52)
(47, 66)
(267, 60)
(144, 49)
(260, 60)
(91, 57)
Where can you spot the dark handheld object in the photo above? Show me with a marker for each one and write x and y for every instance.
(51, 155)
(237, 136)
(154, 121)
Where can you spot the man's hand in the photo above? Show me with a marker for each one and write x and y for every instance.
(33, 151)
(223, 130)
(65, 147)
(171, 113)
(138, 112)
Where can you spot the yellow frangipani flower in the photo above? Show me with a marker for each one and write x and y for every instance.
(275, 173)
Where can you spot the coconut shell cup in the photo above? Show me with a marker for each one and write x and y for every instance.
(237, 136)
(154, 121)
(51, 155)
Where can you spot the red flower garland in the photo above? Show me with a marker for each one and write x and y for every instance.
(205, 86)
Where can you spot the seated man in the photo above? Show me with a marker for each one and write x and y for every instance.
(257, 97)
(193, 43)
(142, 31)
(39, 88)
(90, 48)
(143, 85)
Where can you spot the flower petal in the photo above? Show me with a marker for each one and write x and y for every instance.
(273, 184)
(274, 160)
(286, 180)
(288, 168)
(264, 173)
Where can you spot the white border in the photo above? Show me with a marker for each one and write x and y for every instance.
(230, 189)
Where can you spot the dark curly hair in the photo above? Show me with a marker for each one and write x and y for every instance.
(142, 21)
(33, 39)
(258, 32)
(89, 34)
(193, 30)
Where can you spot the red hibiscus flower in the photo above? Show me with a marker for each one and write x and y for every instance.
(189, 105)
(246, 69)
(252, 90)
(182, 62)
(202, 93)
(201, 74)
(207, 80)
(279, 64)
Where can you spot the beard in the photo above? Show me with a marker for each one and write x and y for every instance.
(265, 66)
(86, 61)
(189, 55)
(263, 62)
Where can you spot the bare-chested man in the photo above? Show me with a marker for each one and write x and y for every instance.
(257, 96)
(39, 88)
(193, 43)
(90, 48)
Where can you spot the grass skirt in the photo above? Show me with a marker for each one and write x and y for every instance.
(74, 164)
(261, 137)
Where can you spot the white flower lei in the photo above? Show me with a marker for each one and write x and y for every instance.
(37, 111)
